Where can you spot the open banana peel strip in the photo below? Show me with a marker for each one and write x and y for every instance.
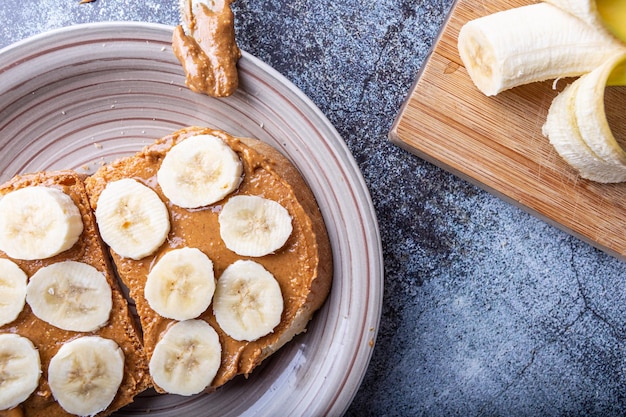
(578, 129)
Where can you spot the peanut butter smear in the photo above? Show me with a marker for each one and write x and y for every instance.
(208, 51)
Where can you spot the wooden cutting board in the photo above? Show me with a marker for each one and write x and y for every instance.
(496, 142)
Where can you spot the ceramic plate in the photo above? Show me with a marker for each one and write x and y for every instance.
(85, 95)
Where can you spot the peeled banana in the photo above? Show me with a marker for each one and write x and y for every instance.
(551, 40)
(578, 129)
(531, 43)
(608, 15)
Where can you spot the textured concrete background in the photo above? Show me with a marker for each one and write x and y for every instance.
(487, 310)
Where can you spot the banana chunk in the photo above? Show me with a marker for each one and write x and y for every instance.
(85, 374)
(13, 289)
(248, 302)
(531, 43)
(132, 219)
(254, 226)
(20, 369)
(38, 222)
(187, 358)
(199, 171)
(181, 284)
(70, 295)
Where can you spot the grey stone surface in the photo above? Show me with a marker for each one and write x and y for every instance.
(487, 310)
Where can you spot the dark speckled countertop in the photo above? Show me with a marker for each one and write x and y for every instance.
(487, 310)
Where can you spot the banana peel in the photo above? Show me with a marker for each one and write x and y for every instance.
(578, 129)
(613, 15)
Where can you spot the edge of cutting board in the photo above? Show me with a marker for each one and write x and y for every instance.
(496, 142)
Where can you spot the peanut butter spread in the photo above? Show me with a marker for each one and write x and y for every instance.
(208, 52)
(302, 267)
(47, 338)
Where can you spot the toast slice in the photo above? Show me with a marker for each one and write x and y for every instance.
(48, 339)
(303, 266)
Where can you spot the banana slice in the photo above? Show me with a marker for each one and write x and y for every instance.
(248, 302)
(20, 369)
(199, 171)
(531, 43)
(187, 358)
(254, 226)
(71, 296)
(85, 374)
(180, 286)
(13, 289)
(38, 222)
(132, 219)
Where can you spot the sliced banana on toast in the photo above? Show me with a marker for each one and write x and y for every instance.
(50, 303)
(199, 171)
(85, 374)
(252, 225)
(38, 222)
(20, 370)
(186, 358)
(248, 302)
(228, 199)
(181, 284)
(71, 296)
(132, 219)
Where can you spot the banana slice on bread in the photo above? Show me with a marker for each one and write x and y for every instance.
(21, 369)
(236, 204)
(38, 222)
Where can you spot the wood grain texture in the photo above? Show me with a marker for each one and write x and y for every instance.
(496, 142)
